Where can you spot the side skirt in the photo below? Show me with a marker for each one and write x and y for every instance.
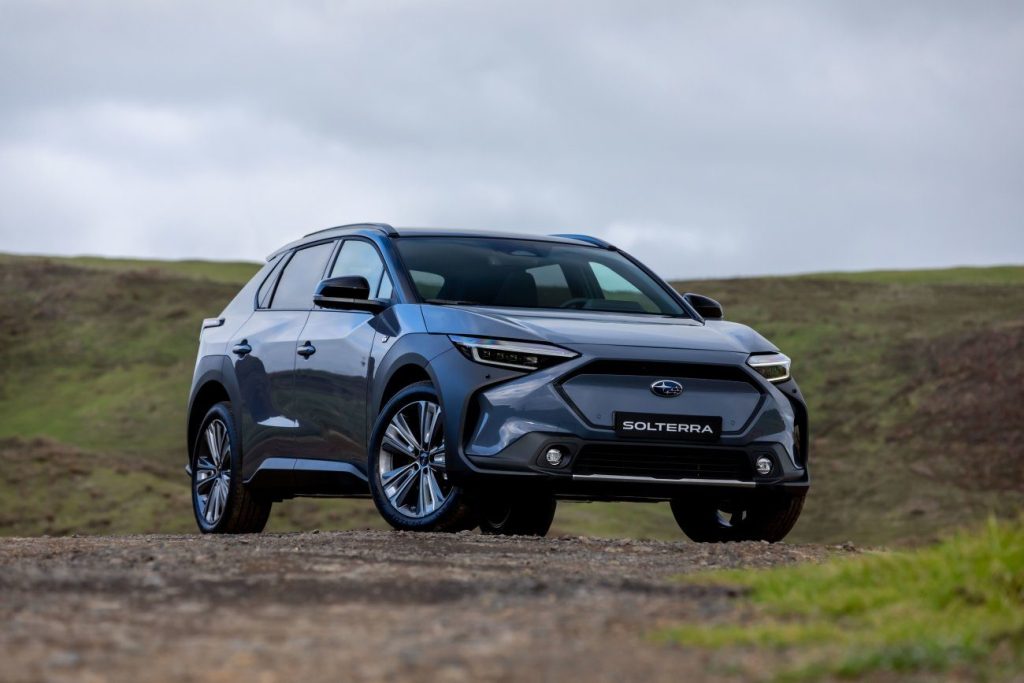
(281, 478)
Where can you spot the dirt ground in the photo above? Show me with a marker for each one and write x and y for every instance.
(364, 605)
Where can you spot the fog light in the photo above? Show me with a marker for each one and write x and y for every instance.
(554, 456)
(764, 466)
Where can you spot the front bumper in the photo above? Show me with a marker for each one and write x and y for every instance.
(506, 421)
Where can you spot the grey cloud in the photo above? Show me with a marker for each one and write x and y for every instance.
(708, 138)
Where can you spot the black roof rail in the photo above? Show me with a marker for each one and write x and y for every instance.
(587, 238)
(383, 227)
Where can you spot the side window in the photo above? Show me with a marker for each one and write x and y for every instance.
(552, 287)
(360, 258)
(300, 277)
(267, 288)
(614, 287)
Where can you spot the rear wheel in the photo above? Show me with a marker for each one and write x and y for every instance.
(517, 514)
(758, 518)
(220, 501)
(408, 477)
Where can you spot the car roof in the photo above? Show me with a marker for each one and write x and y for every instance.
(496, 234)
(391, 231)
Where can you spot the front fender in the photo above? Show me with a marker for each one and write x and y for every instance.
(416, 349)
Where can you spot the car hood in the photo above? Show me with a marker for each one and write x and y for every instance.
(567, 328)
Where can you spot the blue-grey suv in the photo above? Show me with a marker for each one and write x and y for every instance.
(469, 379)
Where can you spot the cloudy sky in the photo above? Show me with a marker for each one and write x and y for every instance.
(707, 138)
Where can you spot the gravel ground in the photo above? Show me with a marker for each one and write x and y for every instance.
(362, 605)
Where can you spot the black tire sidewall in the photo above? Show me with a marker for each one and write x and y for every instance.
(531, 515)
(769, 517)
(437, 520)
(495, 514)
(698, 519)
(221, 411)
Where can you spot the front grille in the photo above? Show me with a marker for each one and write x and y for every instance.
(660, 370)
(664, 462)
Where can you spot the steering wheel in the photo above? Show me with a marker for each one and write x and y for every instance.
(578, 302)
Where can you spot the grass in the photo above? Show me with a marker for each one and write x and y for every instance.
(231, 272)
(958, 606)
(100, 358)
(97, 355)
(966, 275)
(49, 488)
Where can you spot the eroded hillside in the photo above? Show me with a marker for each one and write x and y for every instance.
(915, 382)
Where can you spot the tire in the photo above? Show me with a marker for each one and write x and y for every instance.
(220, 501)
(407, 473)
(523, 514)
(762, 518)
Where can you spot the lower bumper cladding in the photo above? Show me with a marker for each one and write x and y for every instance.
(632, 471)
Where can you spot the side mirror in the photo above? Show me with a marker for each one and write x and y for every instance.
(708, 308)
(349, 293)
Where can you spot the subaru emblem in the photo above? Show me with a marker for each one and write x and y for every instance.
(666, 388)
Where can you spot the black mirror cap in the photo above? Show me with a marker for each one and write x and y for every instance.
(708, 308)
(348, 293)
(348, 287)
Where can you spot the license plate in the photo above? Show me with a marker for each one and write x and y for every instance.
(668, 427)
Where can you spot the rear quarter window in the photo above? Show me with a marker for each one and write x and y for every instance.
(267, 288)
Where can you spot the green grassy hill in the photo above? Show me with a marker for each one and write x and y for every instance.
(914, 380)
(953, 611)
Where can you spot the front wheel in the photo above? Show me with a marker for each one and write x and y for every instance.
(408, 477)
(220, 501)
(767, 517)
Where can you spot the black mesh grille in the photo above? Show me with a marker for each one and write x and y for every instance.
(664, 462)
(661, 370)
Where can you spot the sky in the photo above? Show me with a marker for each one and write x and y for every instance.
(706, 138)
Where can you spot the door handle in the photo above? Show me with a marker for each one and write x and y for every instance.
(242, 349)
(306, 350)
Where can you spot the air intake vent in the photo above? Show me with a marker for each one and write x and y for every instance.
(664, 462)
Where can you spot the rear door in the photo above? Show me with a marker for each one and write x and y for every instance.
(331, 383)
(264, 351)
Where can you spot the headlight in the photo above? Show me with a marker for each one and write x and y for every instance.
(774, 367)
(510, 354)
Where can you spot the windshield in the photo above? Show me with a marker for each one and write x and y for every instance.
(516, 273)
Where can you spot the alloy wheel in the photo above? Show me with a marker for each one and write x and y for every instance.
(411, 464)
(213, 472)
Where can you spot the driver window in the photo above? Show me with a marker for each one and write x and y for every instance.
(359, 258)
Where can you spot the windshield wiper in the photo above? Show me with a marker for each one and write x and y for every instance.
(452, 302)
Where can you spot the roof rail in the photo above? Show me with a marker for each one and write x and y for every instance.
(383, 227)
(587, 238)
